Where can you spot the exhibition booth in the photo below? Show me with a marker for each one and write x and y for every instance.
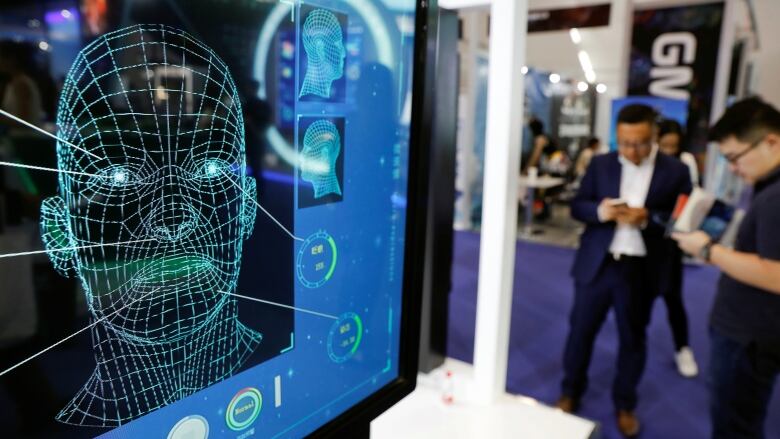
(515, 238)
(337, 218)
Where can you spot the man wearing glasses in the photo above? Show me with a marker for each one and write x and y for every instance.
(745, 319)
(623, 259)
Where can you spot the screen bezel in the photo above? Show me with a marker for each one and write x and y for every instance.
(361, 414)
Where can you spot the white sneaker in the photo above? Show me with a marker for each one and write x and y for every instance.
(686, 364)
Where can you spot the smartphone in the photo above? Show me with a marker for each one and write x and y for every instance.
(618, 202)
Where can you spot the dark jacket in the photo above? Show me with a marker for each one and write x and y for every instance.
(602, 180)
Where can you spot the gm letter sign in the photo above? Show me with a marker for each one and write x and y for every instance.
(673, 56)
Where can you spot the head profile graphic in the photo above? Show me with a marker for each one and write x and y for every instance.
(321, 149)
(323, 41)
(152, 212)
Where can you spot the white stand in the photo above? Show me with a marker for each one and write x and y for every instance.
(499, 212)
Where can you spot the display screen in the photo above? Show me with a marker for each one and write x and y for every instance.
(202, 213)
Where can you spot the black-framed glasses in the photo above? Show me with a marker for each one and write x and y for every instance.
(732, 158)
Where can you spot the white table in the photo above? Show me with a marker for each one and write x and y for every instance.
(527, 186)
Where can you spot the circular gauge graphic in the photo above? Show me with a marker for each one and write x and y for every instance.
(344, 337)
(244, 408)
(190, 427)
(316, 260)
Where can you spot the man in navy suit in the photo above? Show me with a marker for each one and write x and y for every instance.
(623, 259)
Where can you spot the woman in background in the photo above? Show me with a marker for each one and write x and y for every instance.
(21, 96)
(670, 137)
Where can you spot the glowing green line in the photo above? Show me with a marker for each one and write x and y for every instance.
(256, 397)
(335, 257)
(359, 334)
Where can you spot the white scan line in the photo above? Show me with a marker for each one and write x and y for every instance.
(81, 247)
(41, 168)
(32, 357)
(281, 305)
(28, 359)
(263, 209)
(42, 131)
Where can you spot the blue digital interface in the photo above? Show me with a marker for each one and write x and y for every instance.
(229, 214)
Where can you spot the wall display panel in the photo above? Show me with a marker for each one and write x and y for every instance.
(205, 214)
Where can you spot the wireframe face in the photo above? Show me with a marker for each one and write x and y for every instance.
(321, 148)
(324, 44)
(341, 55)
(157, 171)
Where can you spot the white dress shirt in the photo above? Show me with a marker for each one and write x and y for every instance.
(634, 186)
(689, 160)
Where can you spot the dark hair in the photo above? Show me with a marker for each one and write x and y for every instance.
(637, 113)
(536, 126)
(592, 142)
(745, 120)
(670, 126)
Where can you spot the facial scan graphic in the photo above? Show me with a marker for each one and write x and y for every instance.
(323, 41)
(152, 212)
(321, 149)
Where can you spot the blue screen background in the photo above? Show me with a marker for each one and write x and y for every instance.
(367, 226)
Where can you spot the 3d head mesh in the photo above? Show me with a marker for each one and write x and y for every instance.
(321, 149)
(323, 41)
(155, 201)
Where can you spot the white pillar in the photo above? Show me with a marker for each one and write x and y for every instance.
(715, 181)
(499, 211)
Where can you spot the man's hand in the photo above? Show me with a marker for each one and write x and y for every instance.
(692, 243)
(633, 216)
(608, 211)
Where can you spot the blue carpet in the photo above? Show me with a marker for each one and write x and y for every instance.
(670, 406)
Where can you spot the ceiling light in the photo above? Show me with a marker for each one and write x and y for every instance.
(574, 33)
(587, 66)
(524, 70)
(555, 78)
(601, 88)
(582, 86)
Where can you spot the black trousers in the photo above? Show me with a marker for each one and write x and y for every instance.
(675, 307)
(742, 376)
(621, 285)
